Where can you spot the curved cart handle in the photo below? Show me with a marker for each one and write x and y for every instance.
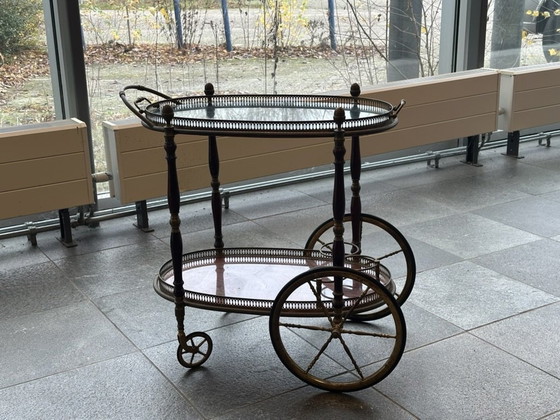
(397, 109)
(136, 109)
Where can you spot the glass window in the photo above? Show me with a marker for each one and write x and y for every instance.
(522, 33)
(273, 46)
(25, 85)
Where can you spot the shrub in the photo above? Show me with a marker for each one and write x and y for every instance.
(19, 24)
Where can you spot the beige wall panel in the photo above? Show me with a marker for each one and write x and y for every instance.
(133, 136)
(537, 98)
(41, 140)
(238, 147)
(142, 162)
(45, 198)
(146, 161)
(276, 163)
(535, 117)
(155, 185)
(38, 172)
(440, 88)
(417, 136)
(528, 96)
(536, 77)
(449, 110)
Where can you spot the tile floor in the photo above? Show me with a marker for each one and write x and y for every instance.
(83, 335)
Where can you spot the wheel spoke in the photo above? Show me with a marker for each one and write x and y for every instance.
(319, 300)
(321, 351)
(305, 327)
(368, 334)
(349, 353)
(390, 254)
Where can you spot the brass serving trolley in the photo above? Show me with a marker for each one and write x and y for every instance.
(318, 298)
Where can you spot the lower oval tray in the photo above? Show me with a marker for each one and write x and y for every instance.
(247, 280)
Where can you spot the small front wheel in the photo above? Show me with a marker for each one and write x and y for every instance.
(313, 334)
(197, 351)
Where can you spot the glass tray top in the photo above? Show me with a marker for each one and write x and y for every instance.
(273, 115)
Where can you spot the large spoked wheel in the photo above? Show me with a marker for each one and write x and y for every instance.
(313, 335)
(380, 240)
(198, 350)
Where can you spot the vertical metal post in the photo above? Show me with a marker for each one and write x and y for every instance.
(471, 39)
(472, 150)
(142, 221)
(65, 228)
(512, 148)
(67, 64)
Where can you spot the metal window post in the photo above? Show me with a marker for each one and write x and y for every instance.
(67, 65)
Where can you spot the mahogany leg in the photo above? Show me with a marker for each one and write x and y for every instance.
(338, 210)
(176, 241)
(356, 202)
(214, 164)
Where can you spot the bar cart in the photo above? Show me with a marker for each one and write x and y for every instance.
(318, 298)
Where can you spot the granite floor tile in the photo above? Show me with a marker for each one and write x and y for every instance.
(310, 403)
(553, 196)
(148, 320)
(54, 341)
(243, 369)
(420, 174)
(531, 336)
(195, 217)
(395, 207)
(372, 183)
(423, 327)
(84, 335)
(116, 270)
(468, 235)
(471, 193)
(244, 234)
(109, 234)
(264, 203)
(533, 180)
(428, 256)
(296, 226)
(34, 288)
(536, 264)
(532, 214)
(127, 387)
(464, 377)
(18, 252)
(470, 296)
